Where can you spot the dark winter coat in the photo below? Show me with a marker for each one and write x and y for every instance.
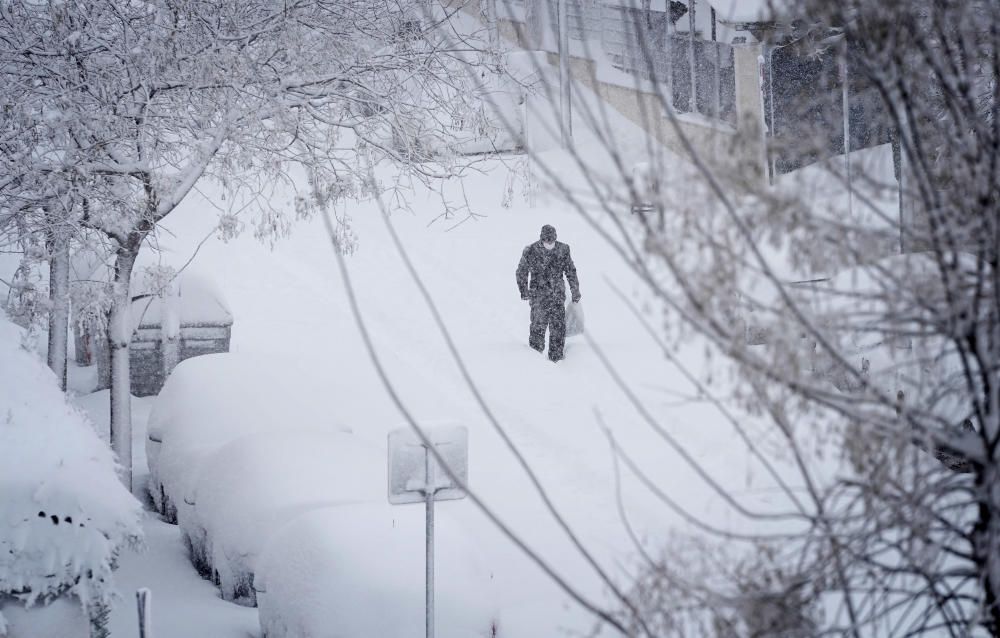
(540, 272)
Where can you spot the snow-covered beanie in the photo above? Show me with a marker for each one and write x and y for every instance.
(548, 233)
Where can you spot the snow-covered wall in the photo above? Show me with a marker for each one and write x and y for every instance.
(64, 514)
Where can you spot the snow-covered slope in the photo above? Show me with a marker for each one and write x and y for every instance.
(291, 302)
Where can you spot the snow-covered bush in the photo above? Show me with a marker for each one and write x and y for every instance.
(252, 486)
(211, 400)
(357, 571)
(64, 514)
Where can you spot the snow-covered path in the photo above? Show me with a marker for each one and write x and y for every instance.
(183, 603)
(291, 301)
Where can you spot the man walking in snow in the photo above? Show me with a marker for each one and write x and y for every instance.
(540, 280)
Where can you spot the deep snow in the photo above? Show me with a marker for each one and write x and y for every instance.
(291, 316)
(289, 302)
(64, 515)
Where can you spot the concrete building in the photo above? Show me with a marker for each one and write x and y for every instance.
(643, 59)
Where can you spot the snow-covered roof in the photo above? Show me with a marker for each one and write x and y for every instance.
(198, 302)
(64, 514)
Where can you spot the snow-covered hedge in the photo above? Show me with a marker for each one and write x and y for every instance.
(357, 571)
(212, 400)
(253, 485)
(64, 514)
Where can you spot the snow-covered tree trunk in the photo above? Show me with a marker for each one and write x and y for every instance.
(119, 336)
(170, 329)
(986, 533)
(987, 540)
(58, 243)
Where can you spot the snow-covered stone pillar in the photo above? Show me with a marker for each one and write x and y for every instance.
(535, 19)
(170, 329)
(565, 94)
(749, 102)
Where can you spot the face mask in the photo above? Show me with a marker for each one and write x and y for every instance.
(549, 245)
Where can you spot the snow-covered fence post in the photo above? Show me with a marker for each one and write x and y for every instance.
(763, 74)
(429, 481)
(144, 602)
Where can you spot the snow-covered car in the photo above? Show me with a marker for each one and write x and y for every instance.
(251, 486)
(212, 400)
(360, 569)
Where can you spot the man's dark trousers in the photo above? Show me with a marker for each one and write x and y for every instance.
(548, 312)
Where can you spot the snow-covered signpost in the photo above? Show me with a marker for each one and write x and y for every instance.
(415, 476)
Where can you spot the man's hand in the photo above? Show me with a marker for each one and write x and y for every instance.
(576, 298)
(525, 298)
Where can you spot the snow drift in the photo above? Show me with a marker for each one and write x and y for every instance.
(64, 515)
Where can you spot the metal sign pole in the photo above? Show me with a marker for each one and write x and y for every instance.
(429, 496)
(408, 485)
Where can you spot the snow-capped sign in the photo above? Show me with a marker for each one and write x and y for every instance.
(412, 468)
(416, 476)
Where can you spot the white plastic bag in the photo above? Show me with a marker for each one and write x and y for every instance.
(574, 319)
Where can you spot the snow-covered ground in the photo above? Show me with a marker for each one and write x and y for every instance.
(290, 306)
(290, 302)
